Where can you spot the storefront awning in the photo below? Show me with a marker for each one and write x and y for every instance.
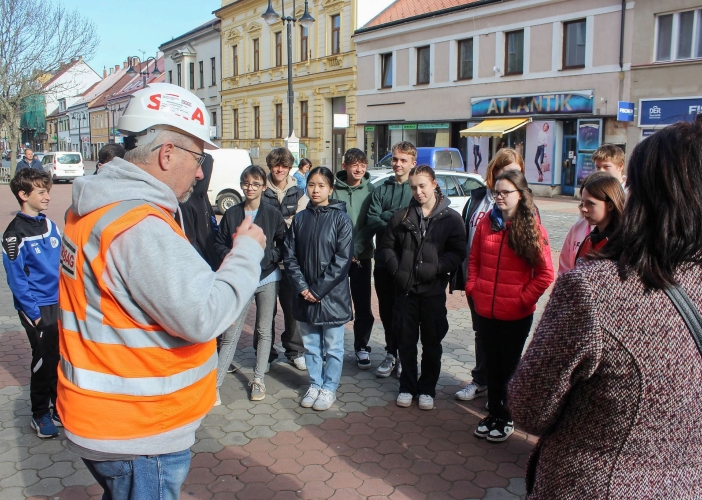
(495, 127)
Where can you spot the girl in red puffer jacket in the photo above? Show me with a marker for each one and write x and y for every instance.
(509, 269)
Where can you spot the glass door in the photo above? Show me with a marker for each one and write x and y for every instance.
(570, 156)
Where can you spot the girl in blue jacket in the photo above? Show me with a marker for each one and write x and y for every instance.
(317, 256)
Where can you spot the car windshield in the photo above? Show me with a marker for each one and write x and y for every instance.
(68, 159)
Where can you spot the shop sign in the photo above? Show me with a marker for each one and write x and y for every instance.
(625, 111)
(428, 126)
(654, 112)
(535, 104)
(409, 127)
(394, 127)
(370, 128)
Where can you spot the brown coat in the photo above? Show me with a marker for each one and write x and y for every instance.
(612, 382)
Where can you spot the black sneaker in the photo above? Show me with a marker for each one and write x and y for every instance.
(484, 427)
(363, 358)
(501, 431)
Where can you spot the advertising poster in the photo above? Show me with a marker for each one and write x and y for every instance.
(588, 135)
(540, 148)
(478, 153)
(585, 167)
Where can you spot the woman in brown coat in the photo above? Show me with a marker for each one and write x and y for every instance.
(612, 381)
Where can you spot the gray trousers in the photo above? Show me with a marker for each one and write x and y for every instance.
(265, 297)
(290, 337)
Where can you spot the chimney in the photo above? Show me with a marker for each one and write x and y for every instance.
(104, 72)
(124, 64)
(116, 68)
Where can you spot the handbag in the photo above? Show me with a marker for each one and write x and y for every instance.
(546, 165)
(688, 311)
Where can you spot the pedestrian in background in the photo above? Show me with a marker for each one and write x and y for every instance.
(422, 245)
(510, 269)
(253, 184)
(303, 170)
(478, 207)
(107, 153)
(352, 186)
(318, 253)
(29, 161)
(612, 379)
(283, 193)
(391, 196)
(31, 247)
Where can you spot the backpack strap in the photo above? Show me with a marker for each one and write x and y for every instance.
(688, 311)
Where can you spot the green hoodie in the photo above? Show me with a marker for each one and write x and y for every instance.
(387, 199)
(357, 200)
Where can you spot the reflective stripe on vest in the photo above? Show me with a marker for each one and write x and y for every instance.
(113, 363)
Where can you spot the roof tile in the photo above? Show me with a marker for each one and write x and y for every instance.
(402, 9)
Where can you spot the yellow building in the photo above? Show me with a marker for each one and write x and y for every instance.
(254, 79)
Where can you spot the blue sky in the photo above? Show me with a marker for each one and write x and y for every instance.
(127, 27)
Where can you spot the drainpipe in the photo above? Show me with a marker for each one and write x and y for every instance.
(621, 52)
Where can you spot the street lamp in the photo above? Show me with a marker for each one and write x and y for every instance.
(110, 131)
(271, 17)
(79, 117)
(145, 73)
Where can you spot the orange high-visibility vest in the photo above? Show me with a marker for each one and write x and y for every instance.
(116, 369)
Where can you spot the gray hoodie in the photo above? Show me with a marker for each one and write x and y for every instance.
(158, 277)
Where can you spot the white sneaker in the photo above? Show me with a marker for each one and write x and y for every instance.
(471, 391)
(386, 367)
(363, 358)
(426, 402)
(218, 401)
(324, 401)
(299, 363)
(310, 397)
(502, 430)
(404, 399)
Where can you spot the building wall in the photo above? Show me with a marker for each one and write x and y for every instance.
(198, 47)
(320, 79)
(70, 85)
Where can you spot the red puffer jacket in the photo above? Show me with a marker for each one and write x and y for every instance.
(503, 285)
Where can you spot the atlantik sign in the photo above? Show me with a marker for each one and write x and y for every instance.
(560, 103)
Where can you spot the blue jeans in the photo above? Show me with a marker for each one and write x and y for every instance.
(328, 339)
(148, 477)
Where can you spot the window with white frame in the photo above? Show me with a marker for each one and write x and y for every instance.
(678, 36)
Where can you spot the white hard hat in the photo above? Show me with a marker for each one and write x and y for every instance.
(160, 106)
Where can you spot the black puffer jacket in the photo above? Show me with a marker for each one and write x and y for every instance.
(421, 254)
(267, 218)
(317, 256)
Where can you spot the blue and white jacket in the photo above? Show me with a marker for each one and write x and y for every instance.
(31, 252)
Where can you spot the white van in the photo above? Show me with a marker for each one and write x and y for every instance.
(225, 190)
(63, 165)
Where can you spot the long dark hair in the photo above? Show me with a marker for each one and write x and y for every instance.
(427, 170)
(605, 187)
(525, 236)
(325, 173)
(661, 227)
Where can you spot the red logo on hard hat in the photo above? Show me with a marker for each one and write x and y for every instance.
(197, 115)
(155, 102)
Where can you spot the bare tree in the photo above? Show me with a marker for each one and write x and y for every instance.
(36, 38)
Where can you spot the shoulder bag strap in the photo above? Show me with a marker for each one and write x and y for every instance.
(688, 311)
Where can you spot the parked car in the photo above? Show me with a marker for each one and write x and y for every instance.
(456, 185)
(63, 165)
(39, 156)
(225, 184)
(436, 158)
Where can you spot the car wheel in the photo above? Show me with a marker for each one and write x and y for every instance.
(226, 201)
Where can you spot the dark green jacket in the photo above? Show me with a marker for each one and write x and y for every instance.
(357, 200)
(386, 199)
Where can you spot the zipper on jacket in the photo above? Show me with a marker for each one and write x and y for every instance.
(497, 272)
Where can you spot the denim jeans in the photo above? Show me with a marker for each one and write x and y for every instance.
(327, 339)
(228, 342)
(148, 477)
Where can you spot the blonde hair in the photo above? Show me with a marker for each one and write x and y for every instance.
(504, 157)
(610, 152)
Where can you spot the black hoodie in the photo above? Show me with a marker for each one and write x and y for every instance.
(198, 219)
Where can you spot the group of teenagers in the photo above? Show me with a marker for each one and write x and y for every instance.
(320, 258)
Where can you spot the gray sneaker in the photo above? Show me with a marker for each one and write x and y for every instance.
(386, 367)
(310, 397)
(258, 390)
(299, 363)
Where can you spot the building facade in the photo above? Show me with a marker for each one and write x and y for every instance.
(550, 72)
(254, 79)
(666, 71)
(102, 117)
(193, 61)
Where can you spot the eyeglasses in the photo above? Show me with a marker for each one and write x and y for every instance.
(502, 194)
(255, 186)
(200, 157)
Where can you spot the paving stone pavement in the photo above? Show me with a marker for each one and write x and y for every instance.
(363, 447)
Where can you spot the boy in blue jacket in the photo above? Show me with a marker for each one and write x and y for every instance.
(31, 249)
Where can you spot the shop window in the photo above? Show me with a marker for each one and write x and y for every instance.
(514, 53)
(202, 74)
(574, 44)
(679, 36)
(235, 60)
(256, 55)
(336, 34)
(304, 43)
(304, 119)
(279, 121)
(465, 59)
(235, 123)
(423, 65)
(257, 122)
(278, 49)
(386, 71)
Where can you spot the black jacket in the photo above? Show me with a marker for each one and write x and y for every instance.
(198, 219)
(288, 207)
(317, 256)
(421, 259)
(269, 219)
